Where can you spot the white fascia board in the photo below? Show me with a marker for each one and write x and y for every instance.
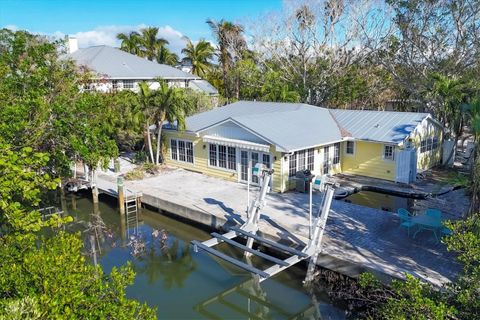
(318, 145)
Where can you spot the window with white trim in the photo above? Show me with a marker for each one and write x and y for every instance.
(182, 156)
(389, 152)
(213, 155)
(326, 160)
(128, 84)
(428, 144)
(301, 160)
(173, 147)
(266, 160)
(336, 153)
(222, 157)
(292, 165)
(181, 150)
(350, 147)
(232, 158)
(310, 159)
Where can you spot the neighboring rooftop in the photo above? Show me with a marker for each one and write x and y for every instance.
(117, 64)
(204, 86)
(382, 126)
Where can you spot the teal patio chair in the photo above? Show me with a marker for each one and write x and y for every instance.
(405, 220)
(446, 231)
(434, 213)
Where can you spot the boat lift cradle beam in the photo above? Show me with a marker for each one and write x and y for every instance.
(250, 228)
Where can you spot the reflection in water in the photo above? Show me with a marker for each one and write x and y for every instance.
(170, 260)
(183, 284)
(381, 201)
(249, 300)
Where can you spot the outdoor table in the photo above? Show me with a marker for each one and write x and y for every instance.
(425, 222)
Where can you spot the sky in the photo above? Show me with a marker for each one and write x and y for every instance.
(98, 22)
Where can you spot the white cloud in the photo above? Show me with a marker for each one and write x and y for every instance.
(11, 27)
(107, 35)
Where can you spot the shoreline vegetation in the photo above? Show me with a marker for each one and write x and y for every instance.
(393, 54)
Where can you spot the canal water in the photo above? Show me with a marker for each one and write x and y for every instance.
(382, 201)
(184, 284)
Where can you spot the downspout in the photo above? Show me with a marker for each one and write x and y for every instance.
(282, 184)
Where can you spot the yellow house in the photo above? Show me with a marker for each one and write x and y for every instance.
(228, 141)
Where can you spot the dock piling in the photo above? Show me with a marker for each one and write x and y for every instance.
(121, 195)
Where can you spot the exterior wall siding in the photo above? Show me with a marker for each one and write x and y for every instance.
(200, 162)
(428, 159)
(200, 157)
(317, 165)
(367, 160)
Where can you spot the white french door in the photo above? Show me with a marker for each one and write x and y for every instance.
(248, 159)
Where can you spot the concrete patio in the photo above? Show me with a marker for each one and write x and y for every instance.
(357, 238)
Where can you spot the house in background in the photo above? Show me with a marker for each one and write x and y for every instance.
(228, 141)
(115, 69)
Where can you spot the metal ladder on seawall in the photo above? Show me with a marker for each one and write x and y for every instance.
(250, 228)
(131, 211)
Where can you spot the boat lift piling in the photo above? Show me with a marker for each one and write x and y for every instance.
(249, 231)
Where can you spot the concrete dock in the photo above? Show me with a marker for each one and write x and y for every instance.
(357, 238)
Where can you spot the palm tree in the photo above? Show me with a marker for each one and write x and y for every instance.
(448, 95)
(151, 43)
(146, 100)
(164, 104)
(165, 56)
(472, 113)
(199, 56)
(230, 41)
(171, 106)
(130, 42)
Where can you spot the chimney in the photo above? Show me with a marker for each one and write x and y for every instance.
(72, 44)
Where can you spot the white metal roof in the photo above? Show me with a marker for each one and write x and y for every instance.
(117, 64)
(296, 126)
(289, 126)
(382, 126)
(203, 85)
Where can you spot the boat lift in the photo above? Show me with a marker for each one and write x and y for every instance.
(249, 229)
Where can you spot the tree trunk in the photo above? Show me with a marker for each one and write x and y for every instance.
(149, 142)
(159, 136)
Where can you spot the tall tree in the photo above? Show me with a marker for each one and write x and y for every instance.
(45, 121)
(165, 56)
(151, 44)
(130, 42)
(429, 38)
(310, 42)
(163, 104)
(146, 100)
(199, 56)
(231, 44)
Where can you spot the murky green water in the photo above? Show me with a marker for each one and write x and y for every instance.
(184, 284)
(382, 201)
